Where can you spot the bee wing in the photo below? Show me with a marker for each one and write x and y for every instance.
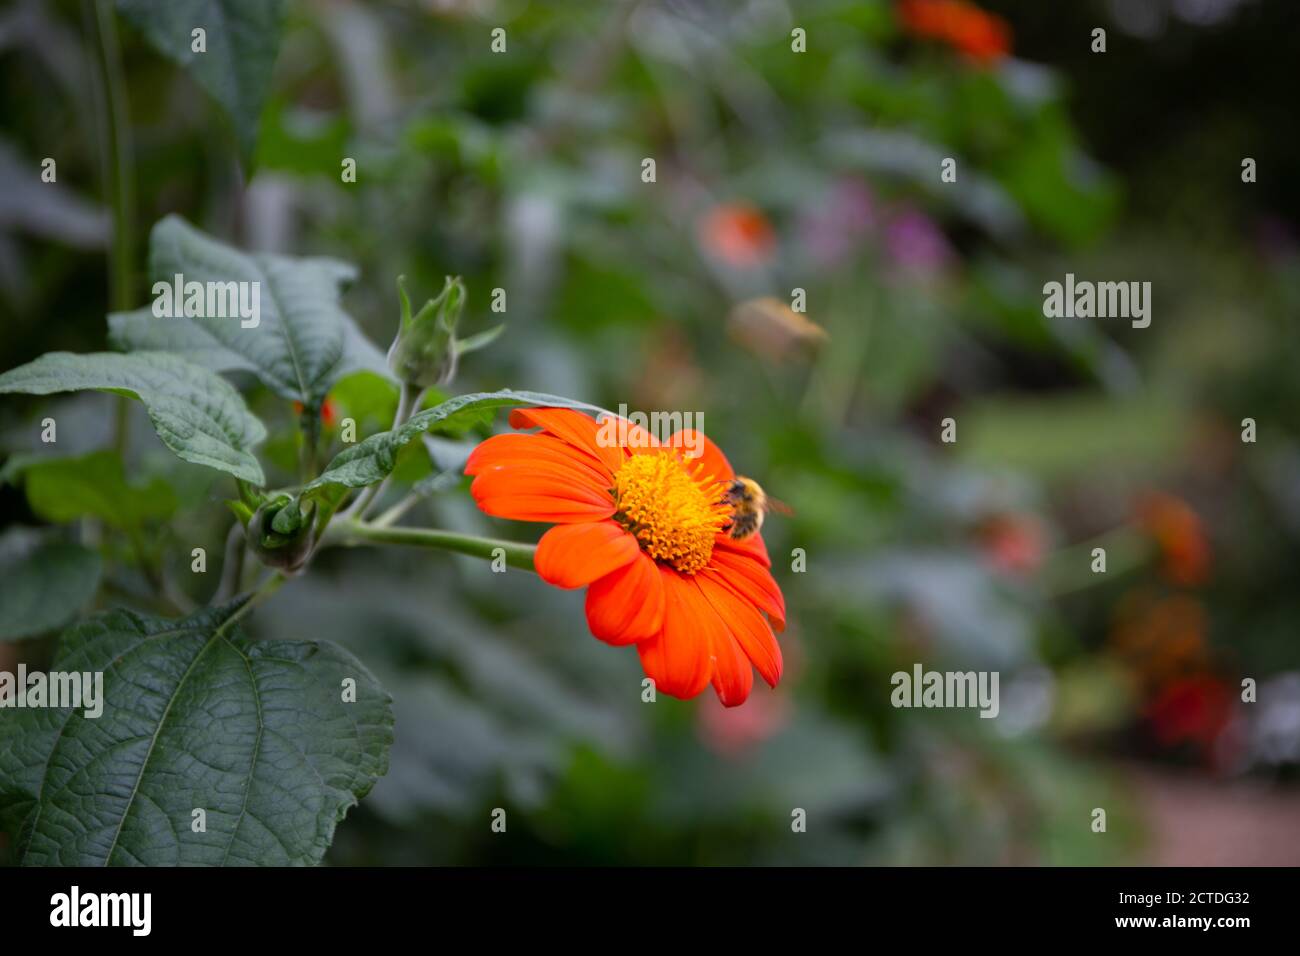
(779, 506)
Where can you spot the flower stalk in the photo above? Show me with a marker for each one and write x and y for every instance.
(351, 532)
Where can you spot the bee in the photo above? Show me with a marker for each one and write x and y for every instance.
(749, 504)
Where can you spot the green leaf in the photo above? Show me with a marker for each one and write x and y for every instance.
(368, 399)
(374, 459)
(303, 341)
(479, 340)
(65, 489)
(242, 39)
(302, 141)
(195, 715)
(43, 590)
(196, 413)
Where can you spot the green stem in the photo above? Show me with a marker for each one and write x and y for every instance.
(232, 565)
(407, 402)
(115, 163)
(115, 151)
(351, 532)
(268, 587)
(309, 432)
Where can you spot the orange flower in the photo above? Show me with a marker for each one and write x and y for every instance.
(328, 412)
(738, 234)
(982, 36)
(641, 528)
(1161, 637)
(1179, 534)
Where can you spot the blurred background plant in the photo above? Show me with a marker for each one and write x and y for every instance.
(798, 272)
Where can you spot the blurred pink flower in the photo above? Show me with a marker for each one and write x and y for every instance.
(730, 731)
(916, 244)
(1014, 544)
(835, 226)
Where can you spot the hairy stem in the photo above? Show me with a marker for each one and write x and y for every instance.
(232, 565)
(352, 532)
(408, 401)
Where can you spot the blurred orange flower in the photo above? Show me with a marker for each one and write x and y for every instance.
(738, 234)
(1180, 536)
(641, 527)
(1162, 637)
(982, 36)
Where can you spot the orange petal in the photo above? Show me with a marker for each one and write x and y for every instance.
(715, 462)
(549, 480)
(518, 449)
(573, 427)
(752, 581)
(752, 546)
(574, 555)
(635, 440)
(627, 606)
(525, 477)
(733, 676)
(541, 508)
(678, 658)
(539, 494)
(747, 626)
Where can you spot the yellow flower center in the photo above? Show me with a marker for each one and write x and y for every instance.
(673, 510)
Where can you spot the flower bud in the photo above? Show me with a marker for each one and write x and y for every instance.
(425, 351)
(281, 533)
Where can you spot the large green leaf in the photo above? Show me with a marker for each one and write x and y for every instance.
(44, 589)
(303, 341)
(196, 413)
(65, 489)
(196, 716)
(374, 459)
(242, 39)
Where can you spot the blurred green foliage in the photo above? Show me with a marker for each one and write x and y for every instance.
(775, 172)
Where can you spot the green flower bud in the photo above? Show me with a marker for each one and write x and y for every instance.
(281, 533)
(425, 351)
